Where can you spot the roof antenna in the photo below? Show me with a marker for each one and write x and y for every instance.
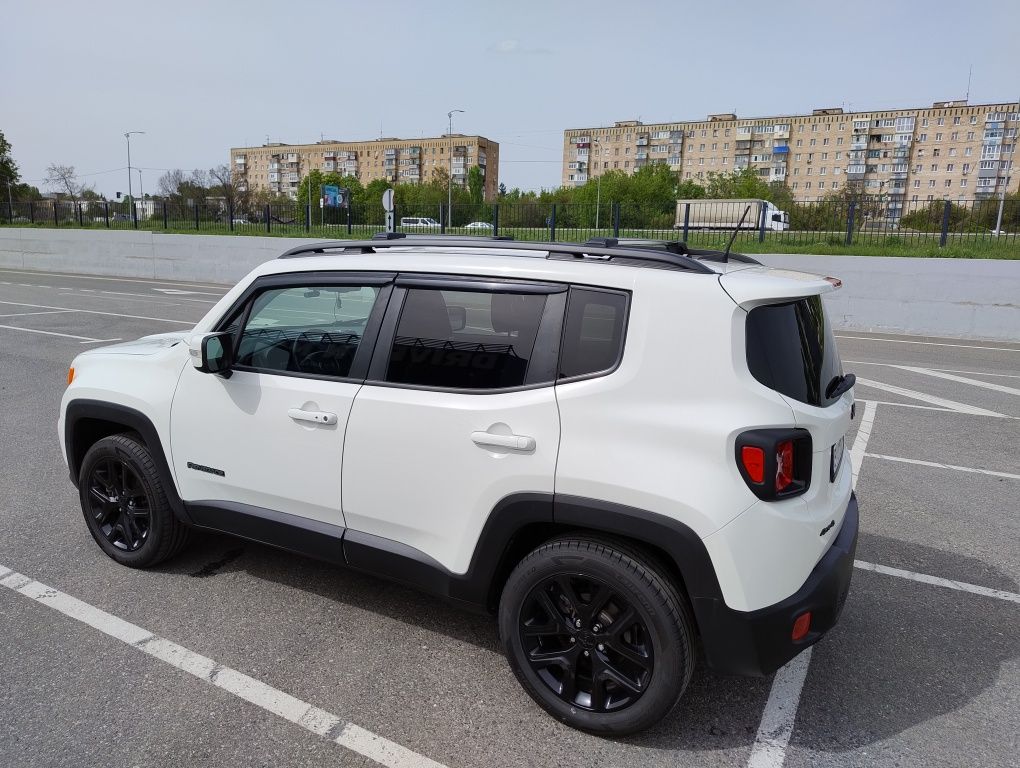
(969, 73)
(726, 253)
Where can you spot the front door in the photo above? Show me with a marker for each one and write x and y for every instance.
(459, 412)
(271, 435)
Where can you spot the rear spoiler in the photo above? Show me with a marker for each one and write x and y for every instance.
(761, 285)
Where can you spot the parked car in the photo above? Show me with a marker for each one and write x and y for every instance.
(418, 222)
(479, 225)
(517, 431)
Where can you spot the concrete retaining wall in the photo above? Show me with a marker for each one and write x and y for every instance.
(936, 297)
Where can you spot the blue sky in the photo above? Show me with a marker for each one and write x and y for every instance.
(200, 77)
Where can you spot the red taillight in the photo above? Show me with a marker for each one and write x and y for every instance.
(784, 465)
(801, 627)
(753, 459)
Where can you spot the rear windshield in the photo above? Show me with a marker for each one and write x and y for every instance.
(790, 349)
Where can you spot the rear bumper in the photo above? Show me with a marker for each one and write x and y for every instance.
(758, 642)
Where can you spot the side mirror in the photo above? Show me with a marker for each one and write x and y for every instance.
(212, 353)
(458, 318)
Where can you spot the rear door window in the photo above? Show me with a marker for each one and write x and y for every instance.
(474, 340)
(791, 349)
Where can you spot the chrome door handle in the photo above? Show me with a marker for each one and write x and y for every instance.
(514, 442)
(316, 417)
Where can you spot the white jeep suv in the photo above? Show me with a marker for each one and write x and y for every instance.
(626, 451)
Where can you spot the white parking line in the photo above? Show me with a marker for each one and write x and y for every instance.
(950, 376)
(272, 700)
(929, 343)
(97, 312)
(777, 720)
(913, 394)
(937, 465)
(938, 581)
(943, 370)
(47, 312)
(83, 339)
(780, 714)
(861, 441)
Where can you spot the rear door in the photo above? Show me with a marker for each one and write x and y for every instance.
(458, 413)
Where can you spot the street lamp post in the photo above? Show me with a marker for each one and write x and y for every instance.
(598, 183)
(128, 137)
(449, 185)
(141, 187)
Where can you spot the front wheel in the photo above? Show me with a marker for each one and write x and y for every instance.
(125, 505)
(597, 635)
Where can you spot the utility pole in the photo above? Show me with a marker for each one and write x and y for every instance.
(449, 185)
(128, 137)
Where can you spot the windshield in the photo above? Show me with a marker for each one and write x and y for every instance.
(791, 349)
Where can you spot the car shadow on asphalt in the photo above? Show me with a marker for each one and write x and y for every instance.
(904, 652)
(717, 711)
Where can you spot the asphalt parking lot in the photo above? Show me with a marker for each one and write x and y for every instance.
(923, 670)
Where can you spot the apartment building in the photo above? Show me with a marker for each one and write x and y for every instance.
(280, 168)
(952, 150)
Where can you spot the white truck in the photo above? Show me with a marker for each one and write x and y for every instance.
(726, 214)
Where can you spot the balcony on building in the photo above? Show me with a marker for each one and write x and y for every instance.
(274, 166)
(780, 149)
(240, 160)
(642, 141)
(328, 165)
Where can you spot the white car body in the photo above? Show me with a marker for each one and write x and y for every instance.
(402, 468)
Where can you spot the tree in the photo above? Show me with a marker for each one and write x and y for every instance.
(182, 190)
(222, 184)
(476, 184)
(63, 180)
(9, 174)
(502, 189)
(745, 183)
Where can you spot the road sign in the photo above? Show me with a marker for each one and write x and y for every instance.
(387, 200)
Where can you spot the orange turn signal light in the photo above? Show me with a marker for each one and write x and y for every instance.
(801, 626)
(70, 376)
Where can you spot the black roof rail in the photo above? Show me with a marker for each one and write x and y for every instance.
(413, 235)
(623, 254)
(673, 246)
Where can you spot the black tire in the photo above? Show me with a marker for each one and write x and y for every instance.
(125, 505)
(656, 649)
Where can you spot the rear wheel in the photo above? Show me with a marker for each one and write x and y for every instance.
(125, 505)
(597, 635)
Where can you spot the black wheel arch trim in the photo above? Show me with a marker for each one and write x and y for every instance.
(81, 411)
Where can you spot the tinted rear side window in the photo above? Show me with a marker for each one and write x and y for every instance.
(465, 339)
(593, 332)
(790, 348)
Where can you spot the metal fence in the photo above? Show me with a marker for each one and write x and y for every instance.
(824, 222)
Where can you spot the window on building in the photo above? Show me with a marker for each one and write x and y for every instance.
(924, 122)
(949, 182)
(796, 171)
(917, 183)
(963, 183)
(800, 142)
(938, 137)
(934, 167)
(795, 184)
(967, 151)
(935, 152)
(956, 121)
(807, 184)
(931, 183)
(949, 168)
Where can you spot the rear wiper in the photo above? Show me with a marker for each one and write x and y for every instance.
(839, 385)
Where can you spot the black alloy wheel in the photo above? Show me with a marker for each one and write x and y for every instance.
(119, 504)
(598, 633)
(125, 504)
(586, 642)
